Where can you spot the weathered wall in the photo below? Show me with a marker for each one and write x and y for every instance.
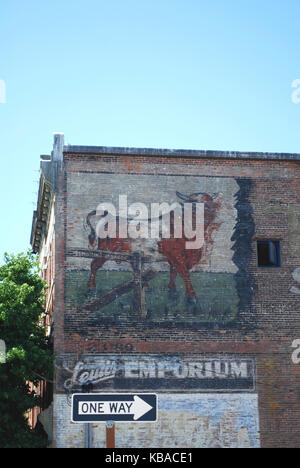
(239, 313)
(185, 421)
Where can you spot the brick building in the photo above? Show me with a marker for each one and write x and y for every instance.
(210, 330)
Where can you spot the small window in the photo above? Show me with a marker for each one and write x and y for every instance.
(268, 253)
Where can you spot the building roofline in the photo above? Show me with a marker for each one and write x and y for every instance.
(125, 151)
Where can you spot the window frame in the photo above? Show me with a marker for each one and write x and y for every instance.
(277, 243)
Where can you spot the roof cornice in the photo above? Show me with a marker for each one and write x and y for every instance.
(180, 153)
(42, 214)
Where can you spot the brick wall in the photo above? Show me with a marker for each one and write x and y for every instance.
(235, 311)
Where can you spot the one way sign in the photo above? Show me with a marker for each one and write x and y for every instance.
(101, 407)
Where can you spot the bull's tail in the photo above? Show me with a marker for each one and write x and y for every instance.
(88, 226)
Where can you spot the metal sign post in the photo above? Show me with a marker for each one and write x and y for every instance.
(88, 436)
(110, 434)
(88, 427)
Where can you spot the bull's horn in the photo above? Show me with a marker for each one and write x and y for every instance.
(217, 195)
(183, 197)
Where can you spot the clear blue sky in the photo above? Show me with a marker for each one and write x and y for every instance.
(194, 74)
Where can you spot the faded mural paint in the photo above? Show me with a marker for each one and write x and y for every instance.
(199, 420)
(296, 278)
(292, 213)
(184, 420)
(215, 284)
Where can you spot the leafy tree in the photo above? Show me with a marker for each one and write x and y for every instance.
(22, 297)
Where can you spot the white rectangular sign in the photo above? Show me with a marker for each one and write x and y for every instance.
(89, 407)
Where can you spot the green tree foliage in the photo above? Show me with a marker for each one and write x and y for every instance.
(22, 297)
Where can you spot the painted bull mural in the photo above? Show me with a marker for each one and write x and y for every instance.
(158, 280)
(173, 250)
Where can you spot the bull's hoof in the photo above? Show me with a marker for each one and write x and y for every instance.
(173, 293)
(190, 300)
(91, 293)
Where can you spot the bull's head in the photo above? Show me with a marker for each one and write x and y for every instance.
(212, 205)
(214, 200)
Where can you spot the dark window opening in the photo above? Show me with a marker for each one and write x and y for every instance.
(268, 253)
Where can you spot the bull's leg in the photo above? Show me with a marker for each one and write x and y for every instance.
(95, 265)
(172, 291)
(173, 274)
(179, 265)
(189, 290)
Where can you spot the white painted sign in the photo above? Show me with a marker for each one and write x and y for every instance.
(145, 372)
